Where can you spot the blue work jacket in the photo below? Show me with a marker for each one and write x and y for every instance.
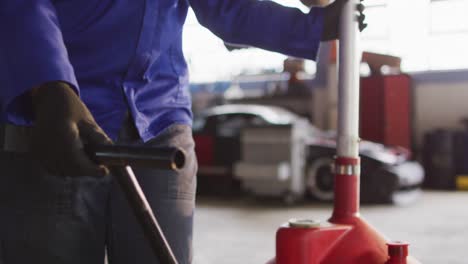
(126, 55)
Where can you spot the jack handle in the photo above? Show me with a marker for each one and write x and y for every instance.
(119, 159)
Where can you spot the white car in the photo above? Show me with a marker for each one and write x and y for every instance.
(274, 152)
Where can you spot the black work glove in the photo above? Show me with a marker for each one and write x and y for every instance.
(62, 124)
(331, 23)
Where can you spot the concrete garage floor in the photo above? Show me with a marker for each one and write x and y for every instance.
(242, 231)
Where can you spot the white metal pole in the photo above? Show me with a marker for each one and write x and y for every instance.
(348, 83)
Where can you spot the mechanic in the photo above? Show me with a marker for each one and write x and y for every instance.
(104, 71)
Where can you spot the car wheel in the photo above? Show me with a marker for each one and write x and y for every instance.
(320, 179)
(379, 186)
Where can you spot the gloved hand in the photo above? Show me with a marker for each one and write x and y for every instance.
(332, 19)
(62, 124)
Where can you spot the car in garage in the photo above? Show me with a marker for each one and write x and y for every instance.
(217, 135)
(270, 151)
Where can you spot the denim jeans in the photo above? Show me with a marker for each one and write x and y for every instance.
(51, 220)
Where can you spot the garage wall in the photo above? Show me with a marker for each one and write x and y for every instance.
(440, 100)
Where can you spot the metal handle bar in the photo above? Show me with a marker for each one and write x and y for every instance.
(138, 156)
(119, 159)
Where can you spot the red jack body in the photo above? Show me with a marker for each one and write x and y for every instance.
(345, 239)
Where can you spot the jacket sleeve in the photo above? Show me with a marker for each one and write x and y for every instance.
(32, 52)
(263, 24)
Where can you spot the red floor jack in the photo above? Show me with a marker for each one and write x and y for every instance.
(346, 238)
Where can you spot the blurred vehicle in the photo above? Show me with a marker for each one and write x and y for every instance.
(217, 135)
(269, 151)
